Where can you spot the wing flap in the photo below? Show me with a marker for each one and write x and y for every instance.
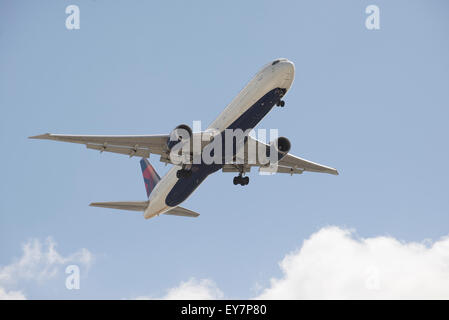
(236, 168)
(138, 152)
(280, 169)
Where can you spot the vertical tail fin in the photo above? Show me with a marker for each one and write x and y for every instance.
(150, 176)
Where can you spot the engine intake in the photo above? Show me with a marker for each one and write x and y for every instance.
(281, 146)
(178, 134)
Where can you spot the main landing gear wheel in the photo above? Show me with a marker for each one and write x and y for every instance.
(243, 181)
(280, 103)
(183, 173)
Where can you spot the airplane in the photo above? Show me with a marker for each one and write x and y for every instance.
(264, 91)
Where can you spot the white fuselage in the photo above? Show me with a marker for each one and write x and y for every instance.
(271, 76)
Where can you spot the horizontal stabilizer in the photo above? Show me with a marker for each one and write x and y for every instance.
(141, 206)
(180, 211)
(124, 205)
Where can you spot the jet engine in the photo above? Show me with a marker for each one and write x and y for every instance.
(281, 146)
(181, 133)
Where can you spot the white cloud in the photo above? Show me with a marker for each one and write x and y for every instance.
(11, 295)
(39, 262)
(203, 289)
(332, 264)
(195, 289)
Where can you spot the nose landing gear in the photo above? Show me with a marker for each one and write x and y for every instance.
(280, 103)
(281, 93)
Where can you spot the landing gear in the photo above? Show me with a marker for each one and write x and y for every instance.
(280, 103)
(243, 181)
(183, 173)
(281, 93)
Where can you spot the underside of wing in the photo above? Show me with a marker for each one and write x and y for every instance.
(132, 145)
(290, 164)
(294, 162)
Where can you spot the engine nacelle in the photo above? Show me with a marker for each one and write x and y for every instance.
(281, 146)
(178, 134)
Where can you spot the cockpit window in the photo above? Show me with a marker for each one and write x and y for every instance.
(274, 62)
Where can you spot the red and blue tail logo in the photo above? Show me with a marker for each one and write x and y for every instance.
(150, 176)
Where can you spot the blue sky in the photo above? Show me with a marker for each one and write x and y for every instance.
(373, 104)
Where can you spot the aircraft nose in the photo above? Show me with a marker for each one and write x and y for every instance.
(286, 73)
(287, 67)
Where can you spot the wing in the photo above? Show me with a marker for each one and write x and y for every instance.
(130, 145)
(289, 164)
(294, 163)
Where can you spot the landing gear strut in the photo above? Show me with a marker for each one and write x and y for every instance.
(183, 173)
(243, 181)
(281, 93)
